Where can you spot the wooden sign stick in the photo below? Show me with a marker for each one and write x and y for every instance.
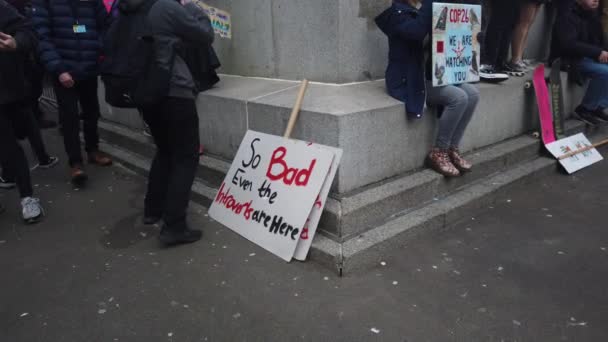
(584, 149)
(296, 110)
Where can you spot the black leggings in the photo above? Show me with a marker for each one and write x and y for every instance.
(504, 16)
(11, 153)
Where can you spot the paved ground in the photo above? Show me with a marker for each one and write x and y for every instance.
(532, 268)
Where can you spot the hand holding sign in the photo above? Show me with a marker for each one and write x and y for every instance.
(455, 49)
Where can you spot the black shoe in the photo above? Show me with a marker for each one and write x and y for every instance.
(78, 176)
(46, 124)
(601, 114)
(151, 220)
(172, 238)
(51, 162)
(488, 73)
(7, 184)
(586, 116)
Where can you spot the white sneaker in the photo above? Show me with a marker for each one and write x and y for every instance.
(31, 210)
(489, 74)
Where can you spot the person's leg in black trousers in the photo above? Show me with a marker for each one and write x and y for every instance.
(37, 86)
(184, 143)
(23, 121)
(89, 100)
(158, 177)
(67, 100)
(12, 154)
(87, 92)
(174, 167)
(34, 136)
(500, 31)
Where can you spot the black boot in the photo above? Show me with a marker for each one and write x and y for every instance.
(172, 238)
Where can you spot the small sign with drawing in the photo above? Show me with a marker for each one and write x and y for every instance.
(569, 145)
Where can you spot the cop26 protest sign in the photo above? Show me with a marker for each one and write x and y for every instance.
(456, 50)
(275, 191)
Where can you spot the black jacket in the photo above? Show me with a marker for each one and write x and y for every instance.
(577, 34)
(174, 28)
(13, 84)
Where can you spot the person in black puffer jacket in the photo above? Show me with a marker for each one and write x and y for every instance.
(16, 40)
(70, 36)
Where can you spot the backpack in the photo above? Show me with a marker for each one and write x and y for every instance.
(128, 70)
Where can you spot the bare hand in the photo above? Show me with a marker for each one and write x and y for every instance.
(66, 80)
(603, 57)
(7, 42)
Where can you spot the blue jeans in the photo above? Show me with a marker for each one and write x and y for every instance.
(459, 103)
(597, 92)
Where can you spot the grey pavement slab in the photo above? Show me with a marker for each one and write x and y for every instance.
(533, 267)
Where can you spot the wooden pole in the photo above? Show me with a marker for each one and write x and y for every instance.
(296, 110)
(584, 149)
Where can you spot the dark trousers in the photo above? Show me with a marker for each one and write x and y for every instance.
(11, 153)
(37, 86)
(25, 125)
(503, 18)
(174, 127)
(85, 93)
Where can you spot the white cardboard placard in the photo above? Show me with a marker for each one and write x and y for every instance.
(570, 144)
(270, 190)
(312, 222)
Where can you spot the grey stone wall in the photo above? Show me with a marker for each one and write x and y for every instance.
(333, 41)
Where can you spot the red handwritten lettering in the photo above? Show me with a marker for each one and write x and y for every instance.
(318, 202)
(304, 235)
(459, 15)
(288, 175)
(228, 201)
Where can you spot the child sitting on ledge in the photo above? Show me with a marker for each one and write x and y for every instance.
(407, 23)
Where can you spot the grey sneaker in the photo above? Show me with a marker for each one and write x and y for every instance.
(514, 69)
(522, 65)
(6, 184)
(31, 210)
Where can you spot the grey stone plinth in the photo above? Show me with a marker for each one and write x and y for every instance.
(333, 41)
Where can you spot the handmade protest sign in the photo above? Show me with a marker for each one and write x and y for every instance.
(312, 222)
(456, 50)
(220, 20)
(566, 147)
(270, 190)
